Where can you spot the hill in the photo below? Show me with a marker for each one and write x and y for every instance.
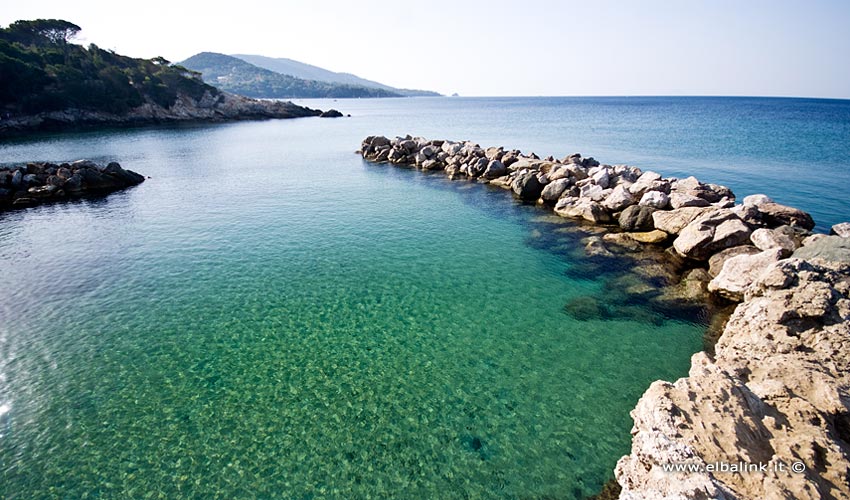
(47, 81)
(235, 75)
(298, 69)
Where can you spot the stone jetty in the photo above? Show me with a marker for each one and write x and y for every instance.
(36, 183)
(773, 398)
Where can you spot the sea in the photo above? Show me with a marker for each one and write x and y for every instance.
(270, 316)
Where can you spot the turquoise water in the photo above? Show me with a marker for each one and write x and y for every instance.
(268, 316)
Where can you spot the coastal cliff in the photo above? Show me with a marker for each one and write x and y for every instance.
(773, 394)
(209, 107)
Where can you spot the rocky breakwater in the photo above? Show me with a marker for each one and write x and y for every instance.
(774, 396)
(37, 183)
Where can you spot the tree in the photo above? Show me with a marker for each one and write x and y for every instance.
(55, 31)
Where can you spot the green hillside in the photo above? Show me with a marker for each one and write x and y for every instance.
(298, 69)
(42, 71)
(235, 75)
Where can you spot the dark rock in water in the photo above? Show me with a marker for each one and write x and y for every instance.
(527, 187)
(331, 113)
(477, 445)
(49, 182)
(637, 218)
(585, 308)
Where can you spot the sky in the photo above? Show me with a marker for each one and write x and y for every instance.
(500, 48)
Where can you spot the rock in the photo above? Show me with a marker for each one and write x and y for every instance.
(681, 200)
(428, 151)
(674, 221)
(582, 208)
(654, 199)
(331, 113)
(30, 180)
(592, 192)
(741, 271)
(17, 179)
(396, 155)
(619, 199)
(585, 308)
(774, 394)
(601, 178)
(431, 165)
(795, 233)
(716, 261)
(649, 181)
(42, 191)
(766, 239)
(637, 218)
(595, 247)
(775, 215)
(451, 148)
(64, 173)
(376, 142)
(711, 233)
(757, 199)
(478, 166)
(554, 190)
(653, 237)
(828, 248)
(74, 184)
(711, 193)
(842, 230)
(527, 187)
(812, 239)
(495, 168)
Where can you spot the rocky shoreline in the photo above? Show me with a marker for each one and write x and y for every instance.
(210, 107)
(775, 391)
(38, 183)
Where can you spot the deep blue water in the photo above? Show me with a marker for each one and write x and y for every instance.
(270, 316)
(795, 150)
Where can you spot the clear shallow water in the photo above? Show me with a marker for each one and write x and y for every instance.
(269, 316)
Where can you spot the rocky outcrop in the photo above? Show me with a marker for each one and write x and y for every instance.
(774, 399)
(37, 183)
(208, 108)
(776, 392)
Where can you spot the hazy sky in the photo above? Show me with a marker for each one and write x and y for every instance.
(528, 47)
